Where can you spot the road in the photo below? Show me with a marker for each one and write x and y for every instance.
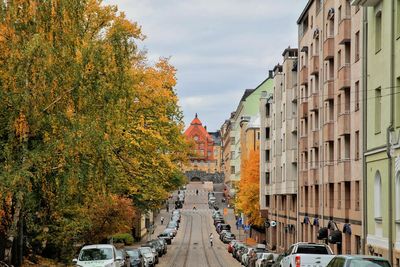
(191, 246)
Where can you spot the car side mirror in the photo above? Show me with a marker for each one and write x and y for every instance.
(75, 261)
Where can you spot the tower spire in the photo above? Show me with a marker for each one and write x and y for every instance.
(196, 115)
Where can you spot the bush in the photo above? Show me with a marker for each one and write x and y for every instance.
(126, 238)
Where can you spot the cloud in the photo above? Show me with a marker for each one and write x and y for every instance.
(220, 47)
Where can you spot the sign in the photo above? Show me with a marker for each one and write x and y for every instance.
(239, 222)
(247, 227)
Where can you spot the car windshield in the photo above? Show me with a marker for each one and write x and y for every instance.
(95, 254)
(368, 263)
(146, 250)
(310, 249)
(133, 253)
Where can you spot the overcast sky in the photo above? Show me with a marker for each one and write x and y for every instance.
(220, 47)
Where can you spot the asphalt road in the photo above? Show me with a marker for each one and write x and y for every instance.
(191, 247)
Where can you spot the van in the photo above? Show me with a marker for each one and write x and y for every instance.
(99, 255)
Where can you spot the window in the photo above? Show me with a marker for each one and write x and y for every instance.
(378, 31)
(339, 195)
(339, 14)
(267, 156)
(284, 142)
(357, 96)
(267, 133)
(347, 52)
(339, 149)
(357, 197)
(348, 9)
(347, 146)
(357, 145)
(339, 104)
(267, 178)
(339, 59)
(378, 196)
(357, 46)
(232, 169)
(378, 107)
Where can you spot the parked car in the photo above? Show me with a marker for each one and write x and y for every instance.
(278, 260)
(358, 261)
(266, 259)
(173, 224)
(173, 231)
(96, 255)
(157, 246)
(307, 254)
(135, 258)
(223, 226)
(236, 247)
(222, 233)
(163, 243)
(166, 236)
(230, 245)
(153, 250)
(228, 237)
(149, 256)
(125, 258)
(245, 256)
(240, 253)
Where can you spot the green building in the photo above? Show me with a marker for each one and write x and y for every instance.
(381, 117)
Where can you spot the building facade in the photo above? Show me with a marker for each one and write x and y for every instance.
(382, 123)
(330, 124)
(279, 154)
(228, 139)
(204, 146)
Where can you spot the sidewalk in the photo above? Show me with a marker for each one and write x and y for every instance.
(240, 234)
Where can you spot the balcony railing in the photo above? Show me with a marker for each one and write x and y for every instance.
(329, 90)
(314, 176)
(303, 109)
(314, 101)
(328, 131)
(344, 77)
(344, 170)
(344, 123)
(329, 172)
(314, 65)
(315, 138)
(344, 31)
(294, 125)
(329, 48)
(304, 75)
(294, 156)
(303, 143)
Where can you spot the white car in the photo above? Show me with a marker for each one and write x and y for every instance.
(149, 256)
(265, 258)
(101, 255)
(307, 254)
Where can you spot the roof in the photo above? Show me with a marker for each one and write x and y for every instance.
(304, 12)
(98, 246)
(247, 92)
(196, 121)
(216, 136)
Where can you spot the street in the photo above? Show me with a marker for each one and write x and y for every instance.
(191, 246)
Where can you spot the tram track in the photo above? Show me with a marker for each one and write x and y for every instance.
(172, 262)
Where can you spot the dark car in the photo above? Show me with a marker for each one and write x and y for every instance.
(222, 233)
(158, 246)
(163, 243)
(228, 237)
(218, 221)
(135, 258)
(223, 227)
(125, 258)
(358, 260)
(166, 236)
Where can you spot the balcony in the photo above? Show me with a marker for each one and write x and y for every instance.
(344, 32)
(344, 170)
(329, 90)
(329, 48)
(268, 121)
(303, 143)
(304, 75)
(293, 157)
(314, 101)
(268, 190)
(314, 176)
(304, 109)
(329, 171)
(304, 177)
(268, 166)
(294, 94)
(267, 144)
(315, 138)
(328, 131)
(293, 124)
(314, 65)
(344, 77)
(344, 123)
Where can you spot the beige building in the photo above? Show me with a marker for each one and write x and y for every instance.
(329, 109)
(227, 141)
(279, 154)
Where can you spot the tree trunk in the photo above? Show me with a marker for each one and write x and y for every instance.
(13, 232)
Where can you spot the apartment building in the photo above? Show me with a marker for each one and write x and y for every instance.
(228, 139)
(330, 124)
(279, 155)
(381, 90)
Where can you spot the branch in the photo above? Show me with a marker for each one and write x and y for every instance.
(58, 99)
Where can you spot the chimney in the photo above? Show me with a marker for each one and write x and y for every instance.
(205, 127)
(270, 74)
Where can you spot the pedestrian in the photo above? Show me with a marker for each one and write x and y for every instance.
(162, 220)
(252, 259)
(211, 239)
(197, 191)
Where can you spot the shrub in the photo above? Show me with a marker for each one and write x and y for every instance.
(126, 238)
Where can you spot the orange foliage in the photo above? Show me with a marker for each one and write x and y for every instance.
(249, 189)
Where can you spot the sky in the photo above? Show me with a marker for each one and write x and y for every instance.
(219, 47)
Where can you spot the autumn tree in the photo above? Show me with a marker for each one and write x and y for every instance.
(84, 118)
(248, 197)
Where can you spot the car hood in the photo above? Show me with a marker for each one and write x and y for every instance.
(98, 263)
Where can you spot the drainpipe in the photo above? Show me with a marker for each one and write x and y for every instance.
(364, 126)
(391, 129)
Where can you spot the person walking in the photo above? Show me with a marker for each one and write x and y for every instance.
(211, 239)
(162, 220)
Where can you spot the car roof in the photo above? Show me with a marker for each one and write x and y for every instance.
(98, 246)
